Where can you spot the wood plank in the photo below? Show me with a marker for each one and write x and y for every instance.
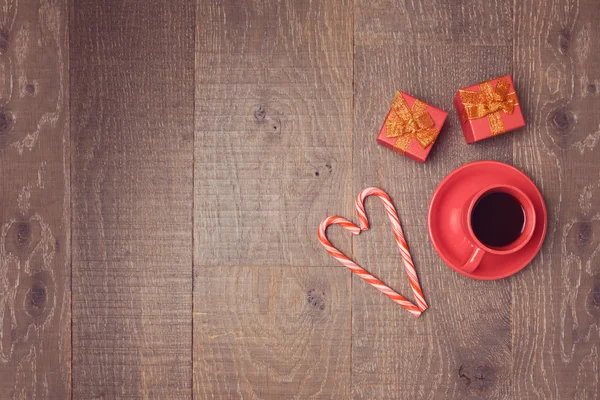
(132, 91)
(272, 333)
(557, 299)
(35, 337)
(461, 346)
(273, 156)
(273, 130)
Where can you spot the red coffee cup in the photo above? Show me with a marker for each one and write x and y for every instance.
(479, 250)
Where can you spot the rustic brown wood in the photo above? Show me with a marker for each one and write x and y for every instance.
(132, 138)
(272, 333)
(273, 130)
(556, 301)
(273, 157)
(461, 347)
(35, 339)
(196, 271)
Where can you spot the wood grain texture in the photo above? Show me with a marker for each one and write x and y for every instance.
(194, 196)
(35, 339)
(132, 129)
(461, 347)
(272, 158)
(273, 130)
(556, 335)
(272, 333)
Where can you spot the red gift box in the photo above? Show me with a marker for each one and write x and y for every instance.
(488, 109)
(411, 127)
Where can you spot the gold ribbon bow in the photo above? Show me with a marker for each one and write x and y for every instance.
(489, 101)
(405, 124)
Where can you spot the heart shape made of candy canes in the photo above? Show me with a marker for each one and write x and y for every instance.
(421, 306)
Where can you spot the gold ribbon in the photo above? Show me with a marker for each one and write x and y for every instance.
(489, 101)
(405, 124)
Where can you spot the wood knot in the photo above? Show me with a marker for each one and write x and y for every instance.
(37, 294)
(581, 238)
(594, 297)
(30, 89)
(327, 167)
(276, 125)
(23, 234)
(591, 88)
(3, 42)
(564, 40)
(561, 122)
(36, 298)
(23, 237)
(5, 119)
(584, 234)
(260, 114)
(561, 119)
(316, 299)
(476, 376)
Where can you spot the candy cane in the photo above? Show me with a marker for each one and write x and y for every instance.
(409, 266)
(398, 234)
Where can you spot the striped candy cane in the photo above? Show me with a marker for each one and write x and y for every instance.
(421, 306)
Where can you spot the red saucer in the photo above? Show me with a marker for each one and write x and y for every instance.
(446, 206)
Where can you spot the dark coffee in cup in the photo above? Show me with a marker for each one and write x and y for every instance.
(497, 219)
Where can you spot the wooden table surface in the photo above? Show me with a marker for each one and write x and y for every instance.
(164, 167)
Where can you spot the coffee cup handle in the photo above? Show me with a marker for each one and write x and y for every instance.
(473, 261)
